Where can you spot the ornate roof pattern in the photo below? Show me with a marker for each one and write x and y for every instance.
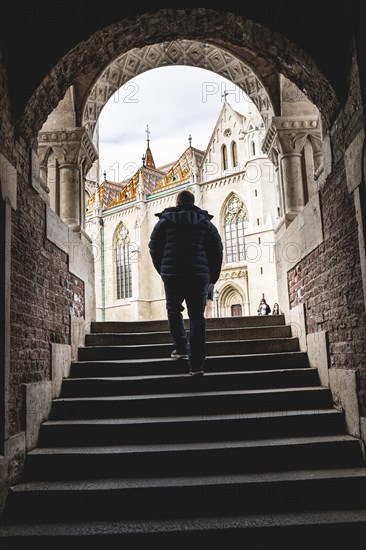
(146, 177)
(148, 180)
(103, 195)
(128, 192)
(180, 171)
(151, 178)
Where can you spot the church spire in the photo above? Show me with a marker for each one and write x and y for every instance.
(149, 160)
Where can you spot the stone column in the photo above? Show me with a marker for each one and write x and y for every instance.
(293, 184)
(288, 135)
(70, 195)
(52, 179)
(75, 154)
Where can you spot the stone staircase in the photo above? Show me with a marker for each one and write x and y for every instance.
(137, 454)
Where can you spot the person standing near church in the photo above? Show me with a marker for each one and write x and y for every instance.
(263, 308)
(186, 251)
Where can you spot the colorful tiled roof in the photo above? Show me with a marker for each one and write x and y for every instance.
(180, 171)
(104, 194)
(148, 177)
(151, 180)
(128, 192)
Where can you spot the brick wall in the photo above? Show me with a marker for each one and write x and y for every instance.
(6, 134)
(43, 292)
(43, 295)
(328, 281)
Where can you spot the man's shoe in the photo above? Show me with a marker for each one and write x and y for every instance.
(176, 355)
(194, 372)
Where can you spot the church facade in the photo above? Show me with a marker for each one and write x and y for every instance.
(232, 179)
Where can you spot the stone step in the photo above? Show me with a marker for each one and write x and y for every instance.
(262, 425)
(193, 459)
(177, 497)
(194, 403)
(227, 347)
(162, 325)
(212, 335)
(325, 529)
(158, 366)
(175, 383)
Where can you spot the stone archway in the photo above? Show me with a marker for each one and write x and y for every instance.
(232, 301)
(249, 42)
(334, 310)
(219, 41)
(233, 56)
(200, 42)
(191, 53)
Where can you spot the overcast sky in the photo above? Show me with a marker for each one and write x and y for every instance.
(175, 102)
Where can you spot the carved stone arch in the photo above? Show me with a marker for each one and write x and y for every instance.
(271, 53)
(120, 233)
(230, 295)
(191, 53)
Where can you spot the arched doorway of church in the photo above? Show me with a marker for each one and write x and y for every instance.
(233, 301)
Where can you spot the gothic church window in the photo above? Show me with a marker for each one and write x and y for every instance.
(123, 266)
(224, 157)
(235, 222)
(252, 149)
(234, 154)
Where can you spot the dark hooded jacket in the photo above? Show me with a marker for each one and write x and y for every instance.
(185, 242)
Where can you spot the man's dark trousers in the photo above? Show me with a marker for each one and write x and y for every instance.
(194, 291)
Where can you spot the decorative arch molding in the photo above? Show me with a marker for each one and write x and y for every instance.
(190, 53)
(225, 205)
(121, 235)
(271, 53)
(232, 295)
(229, 292)
(233, 203)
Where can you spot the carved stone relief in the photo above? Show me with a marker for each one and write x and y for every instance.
(180, 52)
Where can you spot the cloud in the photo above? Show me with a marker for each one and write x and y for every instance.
(175, 102)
